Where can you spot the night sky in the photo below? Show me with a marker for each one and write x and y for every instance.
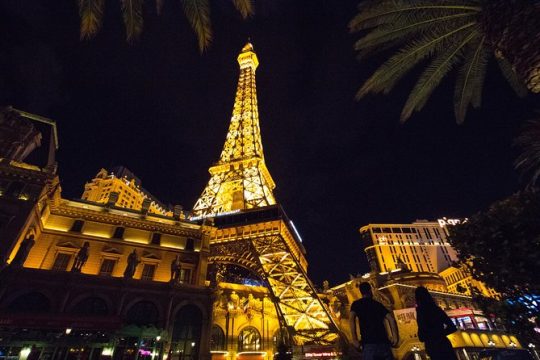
(162, 109)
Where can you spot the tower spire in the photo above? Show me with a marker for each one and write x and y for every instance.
(240, 179)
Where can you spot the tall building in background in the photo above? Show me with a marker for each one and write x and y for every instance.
(421, 247)
(405, 256)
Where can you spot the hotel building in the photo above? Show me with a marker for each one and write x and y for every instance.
(420, 247)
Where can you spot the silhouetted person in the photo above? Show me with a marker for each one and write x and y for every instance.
(433, 326)
(371, 316)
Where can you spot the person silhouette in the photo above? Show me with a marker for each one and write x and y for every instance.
(371, 316)
(433, 326)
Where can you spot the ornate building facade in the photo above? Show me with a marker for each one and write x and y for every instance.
(92, 280)
(120, 187)
(116, 274)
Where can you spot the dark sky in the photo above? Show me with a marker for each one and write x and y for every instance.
(162, 109)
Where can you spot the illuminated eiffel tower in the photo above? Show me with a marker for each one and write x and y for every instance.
(250, 229)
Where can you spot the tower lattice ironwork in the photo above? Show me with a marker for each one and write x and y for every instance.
(251, 230)
(240, 179)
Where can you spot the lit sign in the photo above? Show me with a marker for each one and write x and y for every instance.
(194, 218)
(321, 354)
(444, 221)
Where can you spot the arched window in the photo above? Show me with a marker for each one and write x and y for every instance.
(91, 306)
(217, 338)
(33, 302)
(249, 339)
(186, 336)
(143, 313)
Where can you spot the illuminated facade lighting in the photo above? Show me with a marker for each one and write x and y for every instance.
(240, 179)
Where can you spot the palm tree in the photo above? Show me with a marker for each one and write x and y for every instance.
(462, 34)
(528, 162)
(196, 11)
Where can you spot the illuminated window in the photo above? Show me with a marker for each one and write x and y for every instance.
(61, 262)
(148, 272)
(249, 340)
(107, 267)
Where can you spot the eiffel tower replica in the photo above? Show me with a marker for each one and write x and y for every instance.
(251, 230)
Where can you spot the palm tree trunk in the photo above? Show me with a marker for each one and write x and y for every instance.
(512, 29)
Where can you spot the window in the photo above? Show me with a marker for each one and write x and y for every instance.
(148, 272)
(118, 233)
(217, 338)
(143, 313)
(61, 262)
(185, 276)
(186, 334)
(190, 244)
(156, 239)
(249, 340)
(77, 226)
(107, 267)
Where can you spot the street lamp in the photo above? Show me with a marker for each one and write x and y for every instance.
(68, 331)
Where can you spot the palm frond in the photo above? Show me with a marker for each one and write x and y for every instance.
(387, 75)
(402, 29)
(432, 76)
(244, 7)
(133, 19)
(372, 14)
(511, 76)
(198, 15)
(91, 14)
(470, 79)
(528, 162)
